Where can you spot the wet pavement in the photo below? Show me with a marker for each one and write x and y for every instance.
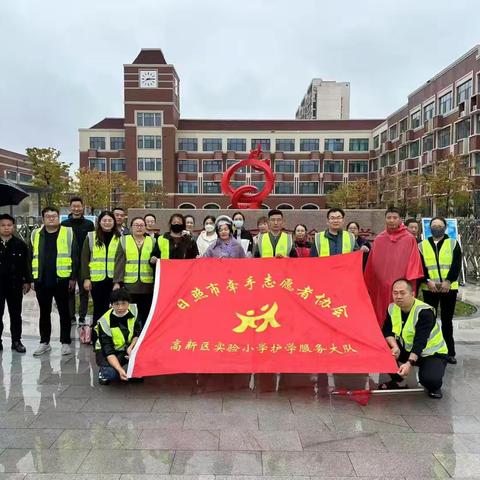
(56, 422)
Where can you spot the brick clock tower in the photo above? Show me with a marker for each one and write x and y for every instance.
(152, 112)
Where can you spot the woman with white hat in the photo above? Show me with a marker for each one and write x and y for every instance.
(225, 246)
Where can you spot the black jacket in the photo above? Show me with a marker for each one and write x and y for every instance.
(15, 266)
(80, 226)
(182, 248)
(456, 265)
(245, 235)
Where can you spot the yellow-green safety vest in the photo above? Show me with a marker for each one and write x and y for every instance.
(164, 246)
(137, 266)
(445, 258)
(265, 247)
(405, 335)
(102, 260)
(323, 246)
(64, 251)
(120, 343)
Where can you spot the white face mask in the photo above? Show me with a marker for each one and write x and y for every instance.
(238, 223)
(209, 228)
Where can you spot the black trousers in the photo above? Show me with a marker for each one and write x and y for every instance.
(83, 307)
(45, 296)
(447, 303)
(101, 301)
(12, 294)
(143, 302)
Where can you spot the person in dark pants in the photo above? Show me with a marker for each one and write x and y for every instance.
(54, 269)
(98, 263)
(15, 279)
(415, 338)
(442, 261)
(80, 226)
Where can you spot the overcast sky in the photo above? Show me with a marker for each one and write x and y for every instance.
(62, 61)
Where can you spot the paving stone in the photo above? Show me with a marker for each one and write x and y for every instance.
(188, 403)
(278, 405)
(423, 442)
(221, 421)
(459, 465)
(443, 424)
(79, 420)
(40, 405)
(28, 438)
(99, 439)
(322, 441)
(119, 405)
(146, 420)
(290, 421)
(370, 423)
(260, 440)
(178, 440)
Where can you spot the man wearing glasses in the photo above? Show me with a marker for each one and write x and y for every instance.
(334, 240)
(54, 269)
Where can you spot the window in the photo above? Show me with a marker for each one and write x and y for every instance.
(97, 143)
(231, 162)
(25, 178)
(117, 143)
(285, 145)
(264, 144)
(213, 166)
(463, 129)
(445, 103)
(329, 187)
(333, 166)
(309, 145)
(376, 141)
(236, 183)
(403, 125)
(415, 149)
(392, 132)
(428, 143)
(464, 91)
(374, 165)
(358, 166)
(149, 119)
(99, 164)
(11, 175)
(334, 144)
(187, 187)
(358, 145)
(260, 184)
(444, 138)
(212, 144)
(149, 141)
(150, 185)
(237, 144)
(117, 165)
(284, 188)
(383, 160)
(308, 188)
(392, 158)
(212, 187)
(415, 119)
(188, 144)
(402, 153)
(428, 111)
(383, 137)
(187, 166)
(149, 164)
(478, 124)
(284, 166)
(476, 163)
(309, 166)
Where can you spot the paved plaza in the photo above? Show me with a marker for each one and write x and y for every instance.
(56, 422)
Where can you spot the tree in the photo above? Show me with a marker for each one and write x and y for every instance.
(127, 192)
(50, 174)
(357, 194)
(95, 188)
(450, 185)
(155, 197)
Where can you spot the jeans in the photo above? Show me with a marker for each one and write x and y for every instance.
(109, 373)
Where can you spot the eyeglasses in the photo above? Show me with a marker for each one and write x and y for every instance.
(335, 218)
(51, 216)
(138, 225)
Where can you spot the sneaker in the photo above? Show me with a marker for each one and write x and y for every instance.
(102, 380)
(42, 348)
(436, 394)
(19, 347)
(66, 349)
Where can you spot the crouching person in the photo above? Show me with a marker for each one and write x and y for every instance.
(117, 333)
(415, 338)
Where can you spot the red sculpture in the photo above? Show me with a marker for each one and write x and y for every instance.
(248, 196)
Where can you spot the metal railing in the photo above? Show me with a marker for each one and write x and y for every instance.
(469, 230)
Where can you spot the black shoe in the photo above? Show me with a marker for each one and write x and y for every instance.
(19, 347)
(1, 345)
(451, 360)
(102, 380)
(436, 394)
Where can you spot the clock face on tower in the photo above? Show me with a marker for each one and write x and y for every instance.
(148, 78)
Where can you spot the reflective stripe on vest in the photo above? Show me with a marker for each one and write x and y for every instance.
(445, 259)
(164, 246)
(323, 244)
(406, 335)
(102, 262)
(137, 267)
(64, 252)
(119, 342)
(265, 247)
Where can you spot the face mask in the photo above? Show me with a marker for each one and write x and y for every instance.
(238, 223)
(209, 228)
(176, 228)
(438, 232)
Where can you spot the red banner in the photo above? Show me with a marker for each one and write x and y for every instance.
(303, 315)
